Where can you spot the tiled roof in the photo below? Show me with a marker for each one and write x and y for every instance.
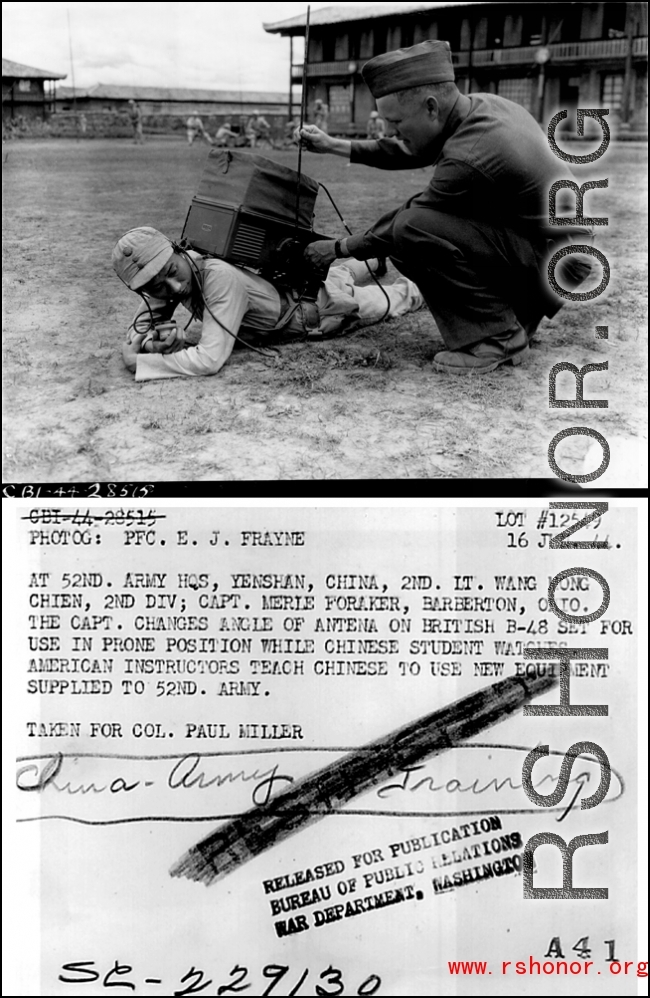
(335, 15)
(114, 92)
(17, 70)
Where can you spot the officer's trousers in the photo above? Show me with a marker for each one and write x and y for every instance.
(478, 280)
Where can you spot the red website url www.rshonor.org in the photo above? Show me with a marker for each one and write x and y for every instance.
(548, 967)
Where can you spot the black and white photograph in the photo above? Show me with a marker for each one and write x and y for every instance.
(337, 749)
(290, 242)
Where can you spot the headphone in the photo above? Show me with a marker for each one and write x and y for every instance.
(143, 324)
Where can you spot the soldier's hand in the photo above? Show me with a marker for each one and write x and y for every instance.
(313, 139)
(320, 253)
(131, 347)
(169, 338)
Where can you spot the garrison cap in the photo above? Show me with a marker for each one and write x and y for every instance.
(141, 254)
(427, 62)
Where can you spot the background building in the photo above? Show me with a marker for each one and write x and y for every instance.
(545, 56)
(101, 111)
(25, 91)
(169, 100)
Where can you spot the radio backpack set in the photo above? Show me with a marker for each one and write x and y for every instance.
(253, 212)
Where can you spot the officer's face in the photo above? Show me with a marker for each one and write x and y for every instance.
(173, 281)
(415, 122)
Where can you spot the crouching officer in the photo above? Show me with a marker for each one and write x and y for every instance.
(477, 240)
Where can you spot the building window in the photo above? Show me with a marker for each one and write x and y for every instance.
(532, 33)
(407, 33)
(365, 45)
(614, 20)
(518, 90)
(449, 31)
(495, 31)
(339, 102)
(569, 91)
(24, 86)
(568, 30)
(425, 29)
(612, 91)
(329, 46)
(380, 36)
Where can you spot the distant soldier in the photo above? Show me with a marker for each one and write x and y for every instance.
(195, 127)
(135, 114)
(225, 135)
(375, 128)
(321, 112)
(83, 123)
(258, 130)
(249, 132)
(290, 139)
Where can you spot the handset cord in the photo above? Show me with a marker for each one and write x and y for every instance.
(349, 232)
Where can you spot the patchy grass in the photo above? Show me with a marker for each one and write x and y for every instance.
(365, 406)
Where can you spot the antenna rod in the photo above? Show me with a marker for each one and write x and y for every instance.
(303, 109)
(74, 89)
(74, 92)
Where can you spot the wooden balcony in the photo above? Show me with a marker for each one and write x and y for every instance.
(339, 68)
(611, 48)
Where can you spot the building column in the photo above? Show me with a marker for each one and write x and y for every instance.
(290, 108)
(541, 78)
(592, 97)
(641, 99)
(628, 80)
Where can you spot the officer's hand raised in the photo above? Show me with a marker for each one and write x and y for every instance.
(313, 139)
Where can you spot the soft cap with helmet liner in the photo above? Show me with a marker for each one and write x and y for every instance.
(140, 254)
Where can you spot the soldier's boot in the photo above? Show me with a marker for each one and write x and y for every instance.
(510, 347)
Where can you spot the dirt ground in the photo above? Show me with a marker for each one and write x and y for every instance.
(367, 406)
